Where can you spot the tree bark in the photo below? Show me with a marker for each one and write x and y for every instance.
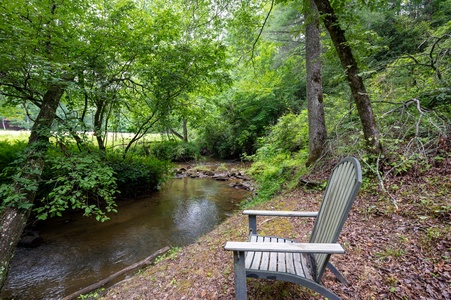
(98, 121)
(13, 219)
(358, 90)
(184, 136)
(316, 120)
(185, 129)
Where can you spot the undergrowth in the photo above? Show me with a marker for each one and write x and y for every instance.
(87, 180)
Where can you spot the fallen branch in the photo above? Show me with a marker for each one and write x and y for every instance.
(310, 184)
(110, 278)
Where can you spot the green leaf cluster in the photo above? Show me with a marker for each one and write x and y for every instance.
(82, 181)
(86, 181)
(278, 161)
(138, 174)
(174, 151)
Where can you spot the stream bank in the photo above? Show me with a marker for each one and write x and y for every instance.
(77, 251)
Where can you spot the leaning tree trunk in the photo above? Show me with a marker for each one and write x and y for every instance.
(13, 218)
(98, 122)
(349, 63)
(185, 129)
(316, 120)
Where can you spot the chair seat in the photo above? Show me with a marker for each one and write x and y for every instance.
(292, 263)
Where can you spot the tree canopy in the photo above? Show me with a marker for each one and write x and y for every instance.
(230, 76)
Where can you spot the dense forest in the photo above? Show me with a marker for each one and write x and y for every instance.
(283, 84)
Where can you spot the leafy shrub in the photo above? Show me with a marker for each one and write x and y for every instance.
(281, 156)
(218, 139)
(136, 175)
(81, 181)
(174, 150)
(9, 152)
(290, 134)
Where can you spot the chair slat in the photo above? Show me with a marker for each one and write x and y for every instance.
(273, 257)
(281, 267)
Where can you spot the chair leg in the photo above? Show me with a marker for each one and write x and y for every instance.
(240, 275)
(337, 273)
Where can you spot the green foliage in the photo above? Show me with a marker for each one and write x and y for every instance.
(138, 174)
(81, 181)
(9, 152)
(257, 99)
(13, 114)
(218, 138)
(399, 35)
(273, 175)
(92, 295)
(123, 64)
(279, 161)
(174, 151)
(170, 254)
(22, 175)
(290, 134)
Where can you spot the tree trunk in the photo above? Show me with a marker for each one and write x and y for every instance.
(174, 132)
(185, 130)
(98, 121)
(349, 63)
(14, 217)
(316, 120)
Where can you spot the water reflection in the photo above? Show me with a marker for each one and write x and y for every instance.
(82, 251)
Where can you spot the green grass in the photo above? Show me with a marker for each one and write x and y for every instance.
(11, 135)
(113, 138)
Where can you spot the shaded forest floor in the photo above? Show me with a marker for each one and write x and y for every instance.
(402, 253)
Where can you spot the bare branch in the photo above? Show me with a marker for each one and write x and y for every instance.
(261, 29)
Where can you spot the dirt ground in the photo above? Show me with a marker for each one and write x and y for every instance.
(401, 252)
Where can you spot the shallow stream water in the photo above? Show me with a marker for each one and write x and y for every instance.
(78, 252)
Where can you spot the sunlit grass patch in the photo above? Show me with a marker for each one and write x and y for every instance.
(14, 135)
(111, 138)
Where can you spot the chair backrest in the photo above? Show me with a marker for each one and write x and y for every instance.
(341, 190)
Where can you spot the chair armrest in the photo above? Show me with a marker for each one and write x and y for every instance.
(281, 213)
(285, 247)
(254, 213)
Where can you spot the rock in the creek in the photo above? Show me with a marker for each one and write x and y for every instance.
(30, 239)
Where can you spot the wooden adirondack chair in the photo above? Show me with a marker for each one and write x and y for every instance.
(301, 263)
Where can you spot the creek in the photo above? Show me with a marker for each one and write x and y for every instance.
(78, 251)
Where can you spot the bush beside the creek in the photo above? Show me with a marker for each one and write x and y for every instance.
(280, 158)
(175, 151)
(87, 181)
(138, 174)
(8, 154)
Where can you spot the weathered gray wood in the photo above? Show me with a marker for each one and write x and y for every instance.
(285, 247)
(299, 269)
(281, 264)
(253, 224)
(240, 275)
(253, 258)
(290, 263)
(280, 213)
(270, 213)
(265, 256)
(301, 263)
